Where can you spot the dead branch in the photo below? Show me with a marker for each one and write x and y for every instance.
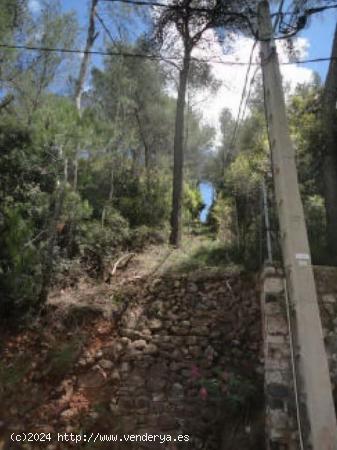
(121, 262)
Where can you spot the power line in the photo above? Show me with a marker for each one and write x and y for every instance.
(143, 3)
(153, 57)
(252, 80)
(105, 28)
(288, 30)
(244, 90)
(196, 9)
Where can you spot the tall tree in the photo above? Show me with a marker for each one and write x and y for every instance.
(91, 38)
(191, 20)
(36, 72)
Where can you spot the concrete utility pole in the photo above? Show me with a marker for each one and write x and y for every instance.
(316, 405)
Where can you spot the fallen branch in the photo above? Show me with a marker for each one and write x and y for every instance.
(123, 259)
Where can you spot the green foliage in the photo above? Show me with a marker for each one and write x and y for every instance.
(99, 244)
(306, 130)
(315, 216)
(144, 235)
(143, 202)
(24, 206)
(235, 216)
(220, 218)
(20, 269)
(241, 391)
(210, 255)
(193, 203)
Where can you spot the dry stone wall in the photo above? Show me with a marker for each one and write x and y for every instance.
(281, 423)
(186, 360)
(326, 282)
(281, 415)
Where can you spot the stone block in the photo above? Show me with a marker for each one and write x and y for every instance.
(273, 285)
(277, 339)
(278, 390)
(278, 420)
(272, 308)
(276, 364)
(277, 325)
(276, 376)
(276, 403)
(329, 298)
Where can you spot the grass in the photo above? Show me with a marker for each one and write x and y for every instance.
(203, 254)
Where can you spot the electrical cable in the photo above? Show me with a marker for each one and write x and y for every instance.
(238, 119)
(154, 57)
(293, 366)
(105, 28)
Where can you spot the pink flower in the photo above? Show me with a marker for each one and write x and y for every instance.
(195, 372)
(203, 393)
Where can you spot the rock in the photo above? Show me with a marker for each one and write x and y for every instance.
(201, 331)
(68, 414)
(278, 390)
(166, 422)
(192, 287)
(146, 332)
(192, 340)
(113, 407)
(194, 350)
(92, 379)
(158, 397)
(93, 415)
(115, 375)
(126, 403)
(82, 362)
(150, 349)
(139, 344)
(329, 298)
(106, 364)
(331, 344)
(180, 330)
(136, 380)
(210, 352)
(142, 402)
(155, 324)
(131, 334)
(178, 390)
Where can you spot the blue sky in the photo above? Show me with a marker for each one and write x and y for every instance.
(319, 34)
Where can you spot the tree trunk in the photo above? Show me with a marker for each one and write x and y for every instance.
(111, 191)
(91, 37)
(147, 153)
(178, 165)
(65, 170)
(330, 158)
(52, 235)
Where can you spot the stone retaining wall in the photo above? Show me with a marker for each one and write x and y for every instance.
(186, 355)
(281, 417)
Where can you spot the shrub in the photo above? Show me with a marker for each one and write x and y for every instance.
(142, 236)
(97, 245)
